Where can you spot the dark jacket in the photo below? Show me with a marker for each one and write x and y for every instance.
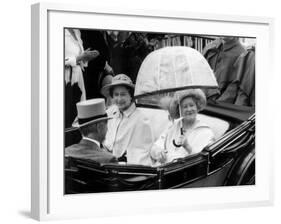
(221, 57)
(241, 90)
(89, 150)
(245, 67)
(127, 54)
(93, 74)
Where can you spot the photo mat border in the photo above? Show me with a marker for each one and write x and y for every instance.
(40, 186)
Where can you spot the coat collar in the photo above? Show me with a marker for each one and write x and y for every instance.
(130, 110)
(230, 44)
(114, 111)
(219, 43)
(89, 141)
(197, 124)
(127, 113)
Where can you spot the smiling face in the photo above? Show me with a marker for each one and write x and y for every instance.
(122, 97)
(188, 109)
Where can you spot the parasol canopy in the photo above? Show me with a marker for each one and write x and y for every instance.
(170, 69)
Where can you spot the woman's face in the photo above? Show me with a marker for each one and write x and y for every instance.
(122, 97)
(188, 109)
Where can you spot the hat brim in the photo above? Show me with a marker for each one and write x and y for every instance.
(77, 125)
(105, 90)
(198, 93)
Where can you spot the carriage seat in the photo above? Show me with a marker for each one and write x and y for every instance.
(218, 126)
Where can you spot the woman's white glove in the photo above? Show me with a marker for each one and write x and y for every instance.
(158, 154)
(182, 141)
(161, 156)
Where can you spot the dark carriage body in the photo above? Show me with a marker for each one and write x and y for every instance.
(230, 160)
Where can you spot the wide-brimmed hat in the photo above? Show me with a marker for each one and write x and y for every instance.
(197, 94)
(118, 80)
(90, 111)
(172, 103)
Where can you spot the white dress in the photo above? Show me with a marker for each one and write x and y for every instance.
(73, 71)
(198, 137)
(129, 133)
(73, 75)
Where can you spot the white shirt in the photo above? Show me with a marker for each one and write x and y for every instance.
(130, 132)
(198, 137)
(92, 140)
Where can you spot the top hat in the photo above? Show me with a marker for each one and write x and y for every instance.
(118, 80)
(90, 111)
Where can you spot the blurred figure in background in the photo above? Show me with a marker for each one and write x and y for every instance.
(99, 68)
(127, 51)
(234, 67)
(221, 55)
(76, 59)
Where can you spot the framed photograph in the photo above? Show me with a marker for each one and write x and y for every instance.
(139, 109)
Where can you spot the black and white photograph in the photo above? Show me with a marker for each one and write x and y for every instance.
(156, 111)
(151, 112)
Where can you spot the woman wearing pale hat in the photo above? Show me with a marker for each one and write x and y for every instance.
(129, 135)
(188, 135)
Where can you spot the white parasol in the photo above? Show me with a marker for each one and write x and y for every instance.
(171, 69)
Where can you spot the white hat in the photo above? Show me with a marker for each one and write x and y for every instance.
(172, 103)
(90, 111)
(118, 80)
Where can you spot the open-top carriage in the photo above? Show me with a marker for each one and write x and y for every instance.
(228, 161)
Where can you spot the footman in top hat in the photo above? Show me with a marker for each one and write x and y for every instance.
(92, 123)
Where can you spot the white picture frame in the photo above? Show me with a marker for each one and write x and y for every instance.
(48, 201)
